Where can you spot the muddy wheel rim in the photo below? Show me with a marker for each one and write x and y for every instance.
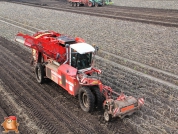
(85, 100)
(39, 74)
(89, 4)
(106, 116)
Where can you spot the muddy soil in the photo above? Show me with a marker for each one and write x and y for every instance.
(47, 108)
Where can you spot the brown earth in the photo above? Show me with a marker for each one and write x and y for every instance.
(44, 108)
(47, 108)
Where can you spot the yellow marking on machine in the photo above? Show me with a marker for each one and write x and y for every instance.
(41, 35)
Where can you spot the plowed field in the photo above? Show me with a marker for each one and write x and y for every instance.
(42, 108)
(48, 109)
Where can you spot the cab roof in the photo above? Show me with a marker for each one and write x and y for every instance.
(82, 48)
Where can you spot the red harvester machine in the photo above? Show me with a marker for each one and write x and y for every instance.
(68, 62)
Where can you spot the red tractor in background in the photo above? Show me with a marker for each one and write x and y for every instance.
(68, 62)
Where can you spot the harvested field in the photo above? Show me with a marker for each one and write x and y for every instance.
(148, 44)
(48, 109)
(48, 106)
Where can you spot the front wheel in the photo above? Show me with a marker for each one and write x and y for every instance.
(39, 72)
(107, 116)
(86, 99)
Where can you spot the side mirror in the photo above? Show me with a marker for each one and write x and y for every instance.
(97, 48)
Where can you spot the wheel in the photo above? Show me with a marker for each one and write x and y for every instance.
(90, 4)
(72, 4)
(39, 72)
(86, 99)
(107, 116)
(78, 4)
(98, 97)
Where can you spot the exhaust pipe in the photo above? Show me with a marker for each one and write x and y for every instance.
(67, 53)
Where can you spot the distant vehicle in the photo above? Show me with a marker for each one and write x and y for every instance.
(107, 2)
(89, 3)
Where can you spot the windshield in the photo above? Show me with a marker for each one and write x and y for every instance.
(80, 61)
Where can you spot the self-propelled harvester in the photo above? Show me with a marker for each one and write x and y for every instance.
(68, 62)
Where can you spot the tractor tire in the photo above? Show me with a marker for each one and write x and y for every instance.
(98, 97)
(39, 72)
(86, 99)
(72, 4)
(107, 116)
(90, 4)
(78, 4)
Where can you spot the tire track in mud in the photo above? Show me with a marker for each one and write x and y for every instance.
(2, 116)
(11, 107)
(2, 113)
(38, 112)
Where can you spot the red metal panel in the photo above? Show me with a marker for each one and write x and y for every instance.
(54, 77)
(71, 82)
(85, 2)
(72, 85)
(75, 0)
(128, 108)
(68, 70)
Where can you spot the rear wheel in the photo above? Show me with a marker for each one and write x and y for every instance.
(107, 116)
(86, 99)
(90, 4)
(39, 72)
(78, 4)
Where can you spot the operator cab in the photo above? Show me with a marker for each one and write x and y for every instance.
(81, 56)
